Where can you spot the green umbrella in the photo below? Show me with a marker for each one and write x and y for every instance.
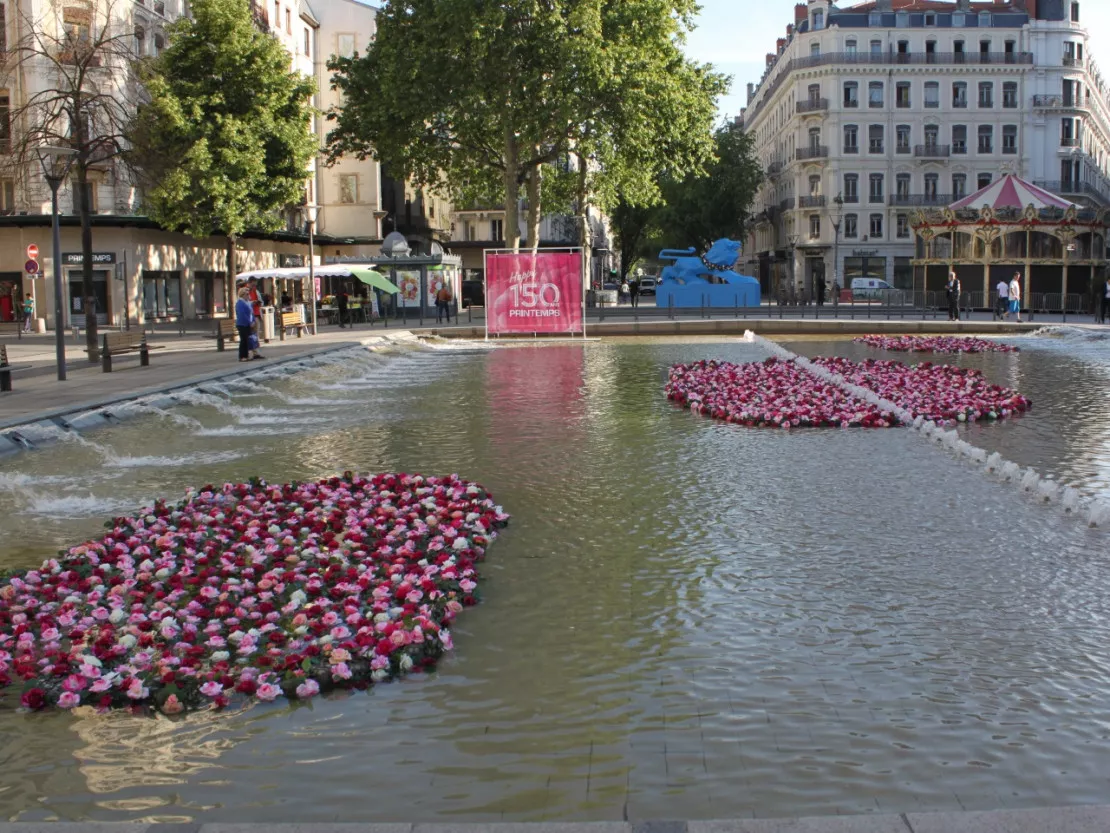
(375, 279)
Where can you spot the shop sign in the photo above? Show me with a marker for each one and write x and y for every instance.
(291, 261)
(78, 258)
(864, 252)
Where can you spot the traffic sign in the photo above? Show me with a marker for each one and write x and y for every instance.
(31, 267)
(33, 252)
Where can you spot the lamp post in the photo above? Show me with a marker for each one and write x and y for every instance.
(311, 211)
(56, 162)
(838, 215)
(793, 239)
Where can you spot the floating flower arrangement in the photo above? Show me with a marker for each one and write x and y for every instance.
(769, 394)
(935, 344)
(935, 392)
(249, 590)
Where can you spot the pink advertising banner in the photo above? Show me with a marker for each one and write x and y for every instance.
(534, 293)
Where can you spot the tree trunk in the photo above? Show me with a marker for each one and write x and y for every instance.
(512, 191)
(229, 284)
(584, 217)
(535, 190)
(93, 349)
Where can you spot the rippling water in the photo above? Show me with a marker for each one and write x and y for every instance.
(685, 619)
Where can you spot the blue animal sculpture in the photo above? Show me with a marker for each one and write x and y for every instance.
(706, 281)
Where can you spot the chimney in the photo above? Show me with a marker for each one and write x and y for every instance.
(770, 59)
(780, 45)
(751, 92)
(790, 30)
(801, 12)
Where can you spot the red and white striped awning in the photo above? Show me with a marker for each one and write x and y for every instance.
(1011, 192)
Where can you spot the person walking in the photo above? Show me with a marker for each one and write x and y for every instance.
(1015, 296)
(625, 291)
(1106, 302)
(1002, 305)
(341, 303)
(244, 323)
(28, 312)
(820, 287)
(634, 291)
(443, 304)
(952, 290)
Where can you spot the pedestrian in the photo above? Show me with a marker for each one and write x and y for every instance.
(1106, 301)
(28, 312)
(244, 323)
(1015, 296)
(952, 290)
(443, 304)
(341, 303)
(625, 292)
(634, 291)
(1002, 305)
(820, 292)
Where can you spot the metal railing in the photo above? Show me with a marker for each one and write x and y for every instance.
(1066, 187)
(1056, 101)
(1072, 61)
(817, 152)
(932, 151)
(921, 199)
(813, 105)
(817, 201)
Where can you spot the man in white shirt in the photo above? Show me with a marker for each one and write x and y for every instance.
(1015, 296)
(1003, 304)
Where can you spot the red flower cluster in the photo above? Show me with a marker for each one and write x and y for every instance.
(770, 394)
(935, 344)
(257, 589)
(940, 393)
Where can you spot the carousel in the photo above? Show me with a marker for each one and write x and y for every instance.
(1013, 226)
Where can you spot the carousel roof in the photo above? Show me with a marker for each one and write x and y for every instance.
(1011, 192)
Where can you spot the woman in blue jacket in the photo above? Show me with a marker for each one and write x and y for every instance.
(244, 323)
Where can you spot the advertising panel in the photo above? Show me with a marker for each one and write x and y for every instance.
(408, 281)
(537, 292)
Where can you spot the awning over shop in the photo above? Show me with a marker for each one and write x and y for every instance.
(374, 279)
(331, 270)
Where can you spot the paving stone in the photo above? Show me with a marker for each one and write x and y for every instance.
(1050, 820)
(822, 824)
(308, 827)
(537, 827)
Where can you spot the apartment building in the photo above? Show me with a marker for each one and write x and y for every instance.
(866, 112)
(141, 271)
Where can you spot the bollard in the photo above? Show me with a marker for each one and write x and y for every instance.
(144, 354)
(736, 303)
(105, 357)
(703, 305)
(470, 314)
(219, 339)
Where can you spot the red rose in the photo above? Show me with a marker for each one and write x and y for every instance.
(34, 699)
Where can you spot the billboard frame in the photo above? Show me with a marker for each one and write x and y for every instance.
(543, 249)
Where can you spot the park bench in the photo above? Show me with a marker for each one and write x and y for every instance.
(292, 320)
(225, 331)
(118, 344)
(6, 369)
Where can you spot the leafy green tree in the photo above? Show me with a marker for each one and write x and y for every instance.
(224, 141)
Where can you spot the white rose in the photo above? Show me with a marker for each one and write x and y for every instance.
(117, 616)
(220, 656)
(406, 662)
(128, 641)
(162, 574)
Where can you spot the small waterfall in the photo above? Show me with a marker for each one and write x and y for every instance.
(183, 420)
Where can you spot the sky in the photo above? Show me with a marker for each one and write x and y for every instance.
(735, 35)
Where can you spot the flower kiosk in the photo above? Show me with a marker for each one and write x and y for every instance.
(418, 277)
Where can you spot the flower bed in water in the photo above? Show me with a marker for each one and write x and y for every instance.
(249, 590)
(935, 344)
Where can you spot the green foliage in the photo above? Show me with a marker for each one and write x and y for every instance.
(224, 141)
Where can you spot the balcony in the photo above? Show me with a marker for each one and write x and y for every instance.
(774, 169)
(959, 148)
(910, 200)
(1069, 188)
(901, 148)
(1009, 151)
(932, 151)
(1072, 61)
(851, 148)
(851, 199)
(260, 15)
(813, 105)
(811, 202)
(1056, 101)
(816, 152)
(851, 104)
(1069, 142)
(932, 105)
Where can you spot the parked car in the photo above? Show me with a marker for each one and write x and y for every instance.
(648, 286)
(869, 288)
(473, 294)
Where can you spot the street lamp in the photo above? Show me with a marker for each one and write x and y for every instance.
(56, 162)
(793, 239)
(311, 211)
(838, 215)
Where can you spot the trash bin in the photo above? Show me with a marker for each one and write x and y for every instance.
(266, 328)
(40, 325)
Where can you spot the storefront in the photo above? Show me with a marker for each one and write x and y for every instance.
(102, 290)
(161, 295)
(11, 296)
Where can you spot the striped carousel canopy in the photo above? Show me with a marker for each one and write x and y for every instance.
(1011, 192)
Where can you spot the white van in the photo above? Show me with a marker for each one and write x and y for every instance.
(870, 288)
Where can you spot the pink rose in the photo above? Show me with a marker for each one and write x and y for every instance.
(68, 700)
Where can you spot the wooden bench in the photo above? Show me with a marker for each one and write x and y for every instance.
(292, 320)
(118, 344)
(6, 369)
(225, 332)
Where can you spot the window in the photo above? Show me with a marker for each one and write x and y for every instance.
(814, 91)
(348, 188)
(818, 20)
(850, 47)
(815, 186)
(959, 94)
(851, 138)
(986, 138)
(159, 43)
(851, 187)
(1068, 133)
(3, 28)
(932, 94)
(959, 19)
(875, 138)
(815, 49)
(89, 193)
(876, 225)
(930, 19)
(876, 193)
(75, 23)
(876, 47)
(903, 226)
(851, 94)
(959, 186)
(851, 230)
(875, 94)
(1009, 95)
(931, 182)
(346, 44)
(814, 138)
(496, 229)
(140, 41)
(902, 138)
(814, 226)
(983, 181)
(902, 186)
(7, 196)
(1009, 138)
(902, 94)
(1074, 12)
(986, 93)
(932, 135)
(307, 42)
(5, 124)
(959, 138)
(277, 14)
(875, 19)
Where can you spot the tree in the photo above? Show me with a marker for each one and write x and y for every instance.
(487, 96)
(224, 139)
(633, 226)
(78, 82)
